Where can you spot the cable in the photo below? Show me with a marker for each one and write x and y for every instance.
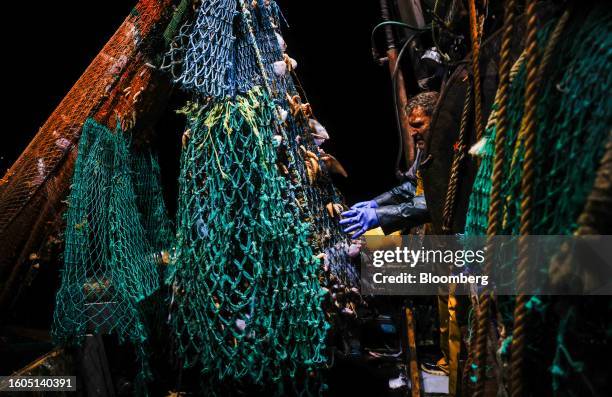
(394, 23)
(400, 149)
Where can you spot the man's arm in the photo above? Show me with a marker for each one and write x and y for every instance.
(404, 215)
(403, 193)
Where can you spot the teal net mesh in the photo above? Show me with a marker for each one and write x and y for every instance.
(572, 127)
(265, 20)
(109, 259)
(250, 53)
(246, 302)
(201, 56)
(256, 238)
(158, 228)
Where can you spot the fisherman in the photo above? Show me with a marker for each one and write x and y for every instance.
(404, 208)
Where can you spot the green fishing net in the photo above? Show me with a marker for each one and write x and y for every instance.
(205, 67)
(109, 259)
(573, 122)
(246, 302)
(146, 179)
(254, 210)
(572, 126)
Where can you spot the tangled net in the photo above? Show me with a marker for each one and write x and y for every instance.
(258, 236)
(313, 195)
(246, 295)
(110, 266)
(201, 56)
(256, 49)
(572, 129)
(32, 190)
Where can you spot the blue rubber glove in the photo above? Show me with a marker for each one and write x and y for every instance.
(359, 220)
(365, 204)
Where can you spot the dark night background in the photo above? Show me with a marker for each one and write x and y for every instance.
(350, 93)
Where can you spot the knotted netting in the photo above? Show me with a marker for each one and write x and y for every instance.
(109, 265)
(257, 50)
(32, 191)
(314, 194)
(150, 200)
(201, 56)
(246, 299)
(265, 45)
(257, 219)
(257, 53)
(572, 128)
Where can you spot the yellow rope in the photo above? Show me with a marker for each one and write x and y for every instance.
(475, 34)
(528, 131)
(459, 155)
(483, 321)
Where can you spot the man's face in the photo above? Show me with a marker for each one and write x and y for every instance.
(418, 126)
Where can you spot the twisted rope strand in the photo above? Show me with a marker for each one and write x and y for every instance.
(453, 182)
(495, 200)
(535, 73)
(528, 178)
(475, 34)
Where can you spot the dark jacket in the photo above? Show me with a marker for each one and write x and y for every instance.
(400, 208)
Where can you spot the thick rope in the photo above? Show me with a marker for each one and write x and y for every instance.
(548, 52)
(492, 121)
(460, 153)
(535, 72)
(483, 320)
(552, 43)
(527, 180)
(599, 203)
(475, 34)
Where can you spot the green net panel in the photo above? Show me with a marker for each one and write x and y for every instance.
(572, 126)
(249, 53)
(246, 301)
(573, 122)
(109, 266)
(150, 201)
(312, 198)
(32, 191)
(241, 311)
